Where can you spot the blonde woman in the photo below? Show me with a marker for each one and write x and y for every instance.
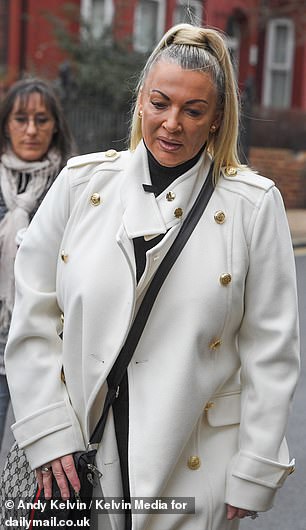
(203, 407)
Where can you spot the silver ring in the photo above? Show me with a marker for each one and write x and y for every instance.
(45, 469)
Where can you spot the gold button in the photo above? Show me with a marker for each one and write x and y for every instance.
(110, 153)
(291, 470)
(95, 199)
(63, 375)
(194, 462)
(64, 256)
(170, 196)
(62, 318)
(225, 278)
(219, 217)
(178, 212)
(215, 344)
(230, 171)
(209, 405)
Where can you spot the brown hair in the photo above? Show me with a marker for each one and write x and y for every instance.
(62, 138)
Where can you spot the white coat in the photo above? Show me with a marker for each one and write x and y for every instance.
(211, 381)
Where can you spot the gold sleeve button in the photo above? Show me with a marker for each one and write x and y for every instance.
(225, 278)
(194, 462)
(95, 199)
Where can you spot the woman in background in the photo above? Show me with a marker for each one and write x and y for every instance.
(35, 143)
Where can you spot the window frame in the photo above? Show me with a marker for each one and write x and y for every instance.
(160, 26)
(272, 66)
(86, 9)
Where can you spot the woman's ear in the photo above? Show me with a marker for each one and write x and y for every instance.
(139, 101)
(217, 121)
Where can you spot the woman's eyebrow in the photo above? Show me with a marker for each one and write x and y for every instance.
(25, 112)
(190, 101)
(160, 92)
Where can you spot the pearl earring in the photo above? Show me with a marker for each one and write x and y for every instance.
(140, 114)
(213, 129)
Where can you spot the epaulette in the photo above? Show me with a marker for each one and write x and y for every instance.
(245, 175)
(93, 158)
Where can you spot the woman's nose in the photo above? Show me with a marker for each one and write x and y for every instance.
(172, 123)
(31, 127)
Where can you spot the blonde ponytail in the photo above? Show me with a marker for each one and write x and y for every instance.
(203, 49)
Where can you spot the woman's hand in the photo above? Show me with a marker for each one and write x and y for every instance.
(62, 468)
(233, 511)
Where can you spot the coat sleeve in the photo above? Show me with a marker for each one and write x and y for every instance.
(269, 352)
(46, 426)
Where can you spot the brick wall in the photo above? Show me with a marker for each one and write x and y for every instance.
(288, 170)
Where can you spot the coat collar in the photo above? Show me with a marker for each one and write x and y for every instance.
(147, 215)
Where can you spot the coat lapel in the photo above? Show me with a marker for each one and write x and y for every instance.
(141, 213)
(147, 215)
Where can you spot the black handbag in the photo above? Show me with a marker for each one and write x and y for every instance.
(78, 507)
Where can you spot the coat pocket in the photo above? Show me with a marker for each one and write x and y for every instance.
(224, 409)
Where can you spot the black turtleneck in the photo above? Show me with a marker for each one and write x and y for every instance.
(161, 178)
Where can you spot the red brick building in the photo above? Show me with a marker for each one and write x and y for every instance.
(27, 41)
(267, 39)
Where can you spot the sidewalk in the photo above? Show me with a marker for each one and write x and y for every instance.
(297, 224)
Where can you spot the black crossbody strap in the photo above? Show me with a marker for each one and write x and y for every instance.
(144, 310)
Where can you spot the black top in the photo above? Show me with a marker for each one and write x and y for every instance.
(161, 178)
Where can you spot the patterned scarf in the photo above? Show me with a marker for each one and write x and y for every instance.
(39, 176)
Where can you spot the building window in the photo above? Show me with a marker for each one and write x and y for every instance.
(188, 11)
(149, 24)
(233, 41)
(98, 14)
(279, 63)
